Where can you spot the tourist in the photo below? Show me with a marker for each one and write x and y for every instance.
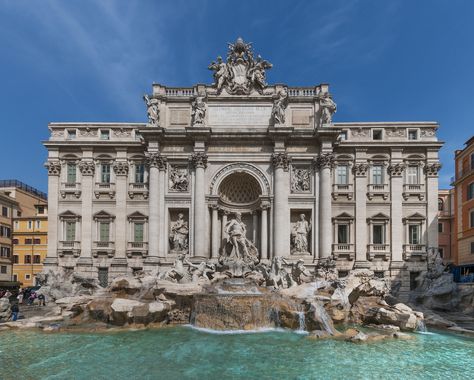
(15, 310)
(20, 297)
(42, 300)
(32, 298)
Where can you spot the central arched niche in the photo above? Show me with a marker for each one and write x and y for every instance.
(239, 189)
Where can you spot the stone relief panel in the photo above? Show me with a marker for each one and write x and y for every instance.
(178, 178)
(300, 179)
(179, 116)
(178, 231)
(301, 117)
(300, 234)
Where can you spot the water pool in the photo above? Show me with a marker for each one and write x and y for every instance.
(186, 353)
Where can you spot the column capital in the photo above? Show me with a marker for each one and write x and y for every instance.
(324, 161)
(360, 169)
(265, 206)
(87, 167)
(396, 170)
(431, 170)
(53, 167)
(156, 160)
(281, 160)
(198, 160)
(121, 168)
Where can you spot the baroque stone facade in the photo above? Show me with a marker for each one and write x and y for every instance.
(129, 197)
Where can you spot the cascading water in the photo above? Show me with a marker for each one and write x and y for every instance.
(421, 327)
(301, 321)
(320, 315)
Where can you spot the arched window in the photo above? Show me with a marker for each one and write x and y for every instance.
(440, 204)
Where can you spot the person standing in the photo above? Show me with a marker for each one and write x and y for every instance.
(20, 297)
(15, 310)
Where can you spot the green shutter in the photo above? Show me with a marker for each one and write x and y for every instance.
(138, 233)
(104, 231)
(70, 231)
(71, 173)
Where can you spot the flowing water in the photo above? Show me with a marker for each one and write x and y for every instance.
(186, 353)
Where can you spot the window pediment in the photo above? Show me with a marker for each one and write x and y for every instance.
(103, 215)
(69, 215)
(416, 217)
(137, 216)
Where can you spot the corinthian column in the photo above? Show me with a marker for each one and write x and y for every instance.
(281, 211)
(87, 168)
(431, 171)
(199, 162)
(121, 173)
(360, 188)
(54, 170)
(325, 162)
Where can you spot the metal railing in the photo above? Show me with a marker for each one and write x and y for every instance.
(23, 186)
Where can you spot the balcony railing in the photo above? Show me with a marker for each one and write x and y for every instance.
(414, 189)
(378, 189)
(137, 247)
(414, 251)
(378, 250)
(138, 189)
(343, 250)
(301, 91)
(107, 247)
(70, 188)
(180, 91)
(69, 246)
(104, 188)
(345, 189)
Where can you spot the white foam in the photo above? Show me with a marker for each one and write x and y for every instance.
(254, 331)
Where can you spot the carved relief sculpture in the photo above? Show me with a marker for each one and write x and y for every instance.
(179, 235)
(198, 112)
(87, 167)
(300, 180)
(54, 167)
(279, 107)
(281, 160)
(299, 236)
(178, 179)
(152, 110)
(328, 108)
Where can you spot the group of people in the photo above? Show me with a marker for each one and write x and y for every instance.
(25, 296)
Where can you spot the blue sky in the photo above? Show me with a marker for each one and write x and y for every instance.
(84, 60)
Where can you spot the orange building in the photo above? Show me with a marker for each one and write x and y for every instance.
(445, 224)
(463, 229)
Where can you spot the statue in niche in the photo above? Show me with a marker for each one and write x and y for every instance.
(198, 111)
(299, 236)
(152, 110)
(221, 73)
(178, 179)
(279, 106)
(300, 180)
(179, 234)
(328, 108)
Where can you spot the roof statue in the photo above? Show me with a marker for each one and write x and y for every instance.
(241, 73)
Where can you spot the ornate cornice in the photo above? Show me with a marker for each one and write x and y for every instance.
(156, 160)
(121, 168)
(360, 169)
(54, 167)
(324, 161)
(87, 167)
(431, 170)
(198, 160)
(396, 170)
(281, 160)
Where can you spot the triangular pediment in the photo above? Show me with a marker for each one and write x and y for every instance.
(344, 215)
(68, 214)
(137, 216)
(415, 216)
(103, 215)
(380, 215)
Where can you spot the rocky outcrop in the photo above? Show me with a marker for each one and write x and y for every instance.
(5, 311)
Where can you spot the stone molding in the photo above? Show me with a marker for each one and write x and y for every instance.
(87, 167)
(360, 169)
(281, 160)
(156, 160)
(54, 167)
(396, 170)
(121, 168)
(431, 170)
(240, 167)
(198, 160)
(324, 161)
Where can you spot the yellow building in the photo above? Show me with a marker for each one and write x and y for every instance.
(8, 207)
(30, 230)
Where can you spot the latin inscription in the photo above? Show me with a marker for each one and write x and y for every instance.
(240, 115)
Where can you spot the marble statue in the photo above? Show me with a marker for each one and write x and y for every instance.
(152, 110)
(299, 235)
(179, 234)
(300, 180)
(221, 73)
(203, 270)
(298, 273)
(277, 275)
(257, 73)
(328, 108)
(198, 111)
(236, 231)
(178, 179)
(178, 273)
(279, 106)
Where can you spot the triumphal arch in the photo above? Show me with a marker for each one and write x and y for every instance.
(242, 167)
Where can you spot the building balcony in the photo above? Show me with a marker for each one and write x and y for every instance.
(137, 248)
(417, 190)
(343, 250)
(346, 189)
(413, 252)
(103, 247)
(69, 247)
(73, 188)
(104, 189)
(378, 189)
(378, 251)
(140, 189)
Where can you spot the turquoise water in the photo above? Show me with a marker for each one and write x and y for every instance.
(185, 353)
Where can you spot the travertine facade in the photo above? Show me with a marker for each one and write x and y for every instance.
(126, 197)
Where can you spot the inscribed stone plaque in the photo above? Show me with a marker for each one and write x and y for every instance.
(240, 115)
(180, 116)
(301, 117)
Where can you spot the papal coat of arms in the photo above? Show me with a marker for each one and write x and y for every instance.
(242, 72)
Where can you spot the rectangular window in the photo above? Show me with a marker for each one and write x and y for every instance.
(414, 234)
(3, 269)
(71, 173)
(27, 276)
(377, 134)
(15, 241)
(5, 211)
(27, 259)
(104, 230)
(471, 219)
(412, 134)
(139, 173)
(28, 241)
(377, 175)
(15, 277)
(71, 134)
(36, 241)
(30, 224)
(36, 259)
(105, 173)
(16, 225)
(343, 136)
(440, 227)
(470, 191)
(138, 232)
(379, 274)
(40, 210)
(70, 231)
(104, 134)
(472, 247)
(341, 175)
(441, 252)
(343, 233)
(378, 234)
(412, 175)
(16, 259)
(38, 224)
